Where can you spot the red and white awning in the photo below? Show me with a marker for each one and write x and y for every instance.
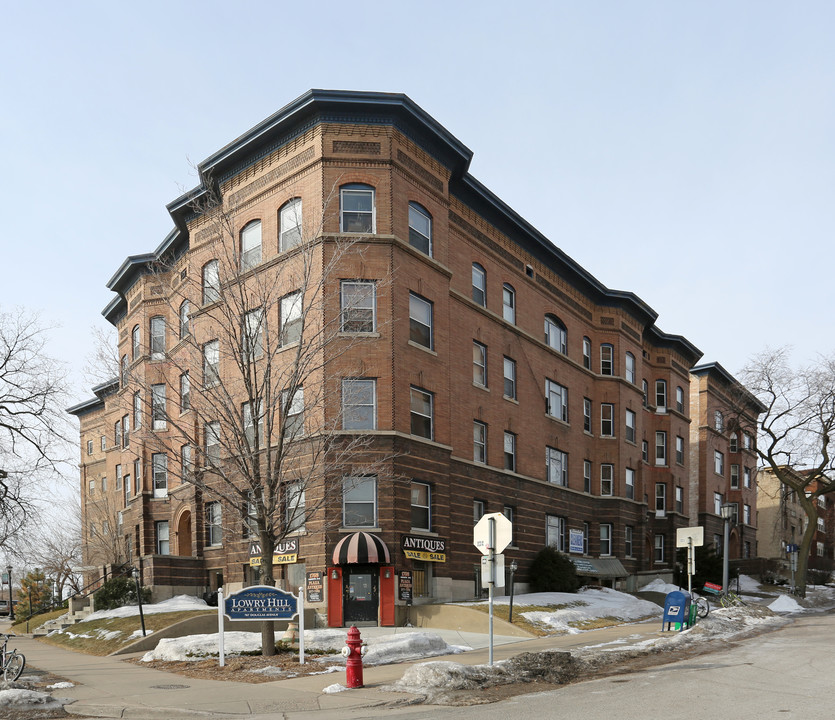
(360, 548)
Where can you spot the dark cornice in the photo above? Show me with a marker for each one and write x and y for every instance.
(719, 372)
(679, 343)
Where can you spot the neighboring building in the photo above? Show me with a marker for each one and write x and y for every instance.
(782, 522)
(723, 460)
(504, 375)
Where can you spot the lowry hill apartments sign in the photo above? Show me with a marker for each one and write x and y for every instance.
(416, 547)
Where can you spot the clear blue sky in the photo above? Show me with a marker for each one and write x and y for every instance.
(679, 150)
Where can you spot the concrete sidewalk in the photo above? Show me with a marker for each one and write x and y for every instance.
(111, 687)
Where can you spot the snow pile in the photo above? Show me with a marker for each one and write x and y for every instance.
(785, 604)
(659, 586)
(175, 604)
(17, 699)
(335, 688)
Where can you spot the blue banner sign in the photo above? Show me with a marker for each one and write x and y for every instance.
(261, 602)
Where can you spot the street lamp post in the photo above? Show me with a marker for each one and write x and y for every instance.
(726, 511)
(135, 574)
(11, 598)
(513, 568)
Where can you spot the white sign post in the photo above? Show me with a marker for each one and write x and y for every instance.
(690, 538)
(492, 534)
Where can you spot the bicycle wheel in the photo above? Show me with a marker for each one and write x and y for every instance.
(702, 607)
(14, 666)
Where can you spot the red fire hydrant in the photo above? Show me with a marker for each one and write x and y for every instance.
(353, 651)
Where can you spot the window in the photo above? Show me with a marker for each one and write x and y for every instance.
(161, 527)
(159, 470)
(509, 378)
(186, 461)
(630, 368)
(660, 498)
(555, 334)
(158, 414)
(421, 413)
(586, 415)
(679, 450)
(819, 549)
(421, 506)
(556, 398)
(293, 408)
(556, 465)
(734, 476)
(660, 448)
(91, 486)
(291, 319)
(510, 451)
(607, 419)
(356, 203)
(420, 321)
(586, 534)
(252, 440)
(555, 532)
(123, 371)
(479, 442)
(89, 447)
(607, 363)
(746, 477)
(587, 353)
(137, 410)
(717, 503)
(628, 533)
(359, 306)
(420, 229)
(212, 440)
(135, 343)
(479, 364)
(746, 549)
(679, 399)
(104, 484)
(214, 529)
(717, 543)
(746, 441)
(125, 430)
(185, 320)
(630, 426)
(126, 482)
(509, 303)
(157, 337)
(359, 404)
(359, 501)
(137, 475)
(679, 499)
(250, 245)
(290, 225)
(587, 476)
(645, 391)
(253, 343)
(211, 282)
(733, 443)
(645, 451)
(606, 478)
(510, 512)
(605, 539)
(478, 510)
(659, 549)
(718, 462)
(479, 285)
(295, 515)
(661, 395)
(630, 483)
(185, 393)
(718, 421)
(211, 363)
(746, 515)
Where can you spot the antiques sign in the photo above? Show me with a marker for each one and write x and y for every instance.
(284, 553)
(261, 602)
(418, 547)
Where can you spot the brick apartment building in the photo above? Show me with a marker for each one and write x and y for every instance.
(723, 463)
(500, 376)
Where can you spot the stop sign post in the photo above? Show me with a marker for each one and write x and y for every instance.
(492, 534)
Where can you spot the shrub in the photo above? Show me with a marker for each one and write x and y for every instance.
(551, 571)
(817, 577)
(119, 591)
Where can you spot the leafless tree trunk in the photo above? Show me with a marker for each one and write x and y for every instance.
(795, 432)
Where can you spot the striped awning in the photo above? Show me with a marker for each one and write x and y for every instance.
(360, 548)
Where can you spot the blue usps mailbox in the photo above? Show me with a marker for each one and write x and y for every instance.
(676, 610)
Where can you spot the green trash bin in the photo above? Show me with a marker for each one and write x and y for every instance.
(694, 614)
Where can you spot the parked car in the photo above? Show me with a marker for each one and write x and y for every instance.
(4, 607)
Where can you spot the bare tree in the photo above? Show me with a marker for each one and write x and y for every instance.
(795, 432)
(33, 438)
(57, 549)
(265, 424)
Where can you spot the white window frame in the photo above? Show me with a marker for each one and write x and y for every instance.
(479, 442)
(556, 335)
(587, 476)
(479, 364)
(630, 368)
(214, 524)
(420, 228)
(295, 503)
(291, 312)
(734, 476)
(658, 554)
(607, 359)
(210, 277)
(423, 504)
(587, 422)
(358, 306)
(660, 448)
(605, 539)
(479, 285)
(607, 479)
(555, 532)
(587, 353)
(250, 245)
(607, 420)
(661, 497)
(359, 491)
(159, 416)
(509, 303)
(421, 321)
(719, 462)
(509, 451)
(185, 319)
(679, 450)
(556, 398)
(159, 473)
(211, 363)
(157, 334)
(629, 480)
(359, 404)
(419, 398)
(556, 466)
(253, 339)
(290, 225)
(163, 537)
(631, 430)
(660, 396)
(509, 378)
(356, 191)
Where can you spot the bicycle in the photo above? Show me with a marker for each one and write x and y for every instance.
(729, 599)
(702, 605)
(11, 661)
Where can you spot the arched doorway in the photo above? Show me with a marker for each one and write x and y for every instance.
(184, 534)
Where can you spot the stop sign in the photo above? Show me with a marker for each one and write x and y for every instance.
(503, 533)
